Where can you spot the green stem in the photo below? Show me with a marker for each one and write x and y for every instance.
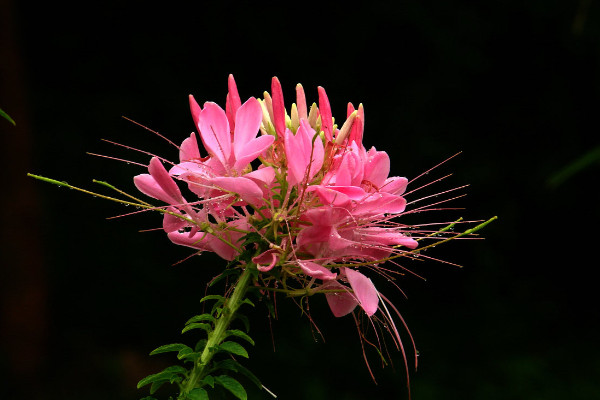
(217, 336)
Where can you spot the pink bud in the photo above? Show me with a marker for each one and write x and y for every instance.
(233, 102)
(301, 102)
(326, 118)
(195, 109)
(278, 107)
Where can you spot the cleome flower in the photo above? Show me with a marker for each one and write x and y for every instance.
(297, 205)
(319, 201)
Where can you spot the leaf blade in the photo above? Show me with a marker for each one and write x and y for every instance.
(232, 386)
(169, 347)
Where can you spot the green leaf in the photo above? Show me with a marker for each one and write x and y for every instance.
(233, 386)
(245, 371)
(232, 365)
(200, 318)
(196, 325)
(7, 117)
(212, 297)
(240, 334)
(168, 374)
(209, 380)
(223, 275)
(200, 345)
(217, 310)
(149, 398)
(156, 385)
(198, 394)
(233, 348)
(170, 347)
(244, 320)
(247, 301)
(186, 353)
(228, 364)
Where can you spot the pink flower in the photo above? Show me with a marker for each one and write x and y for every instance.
(224, 171)
(310, 193)
(304, 156)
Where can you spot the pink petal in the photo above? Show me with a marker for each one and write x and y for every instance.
(171, 223)
(164, 180)
(198, 241)
(314, 234)
(266, 261)
(252, 150)
(377, 168)
(158, 184)
(248, 190)
(338, 195)
(317, 271)
(246, 145)
(364, 290)
(263, 175)
(214, 132)
(325, 110)
(195, 110)
(386, 237)
(204, 242)
(189, 168)
(188, 150)
(248, 121)
(278, 107)
(395, 185)
(146, 184)
(381, 203)
(341, 303)
(299, 149)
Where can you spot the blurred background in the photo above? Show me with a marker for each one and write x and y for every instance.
(512, 85)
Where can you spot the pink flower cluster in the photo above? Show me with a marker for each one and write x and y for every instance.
(314, 196)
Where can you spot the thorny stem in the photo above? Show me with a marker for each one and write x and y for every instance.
(216, 337)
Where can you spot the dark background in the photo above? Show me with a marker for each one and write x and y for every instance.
(512, 85)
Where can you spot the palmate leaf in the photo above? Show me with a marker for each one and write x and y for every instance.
(233, 386)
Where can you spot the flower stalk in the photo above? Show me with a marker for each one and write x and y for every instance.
(218, 335)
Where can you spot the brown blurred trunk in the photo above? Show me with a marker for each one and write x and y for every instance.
(23, 289)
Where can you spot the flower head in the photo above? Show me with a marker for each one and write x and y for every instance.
(317, 200)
